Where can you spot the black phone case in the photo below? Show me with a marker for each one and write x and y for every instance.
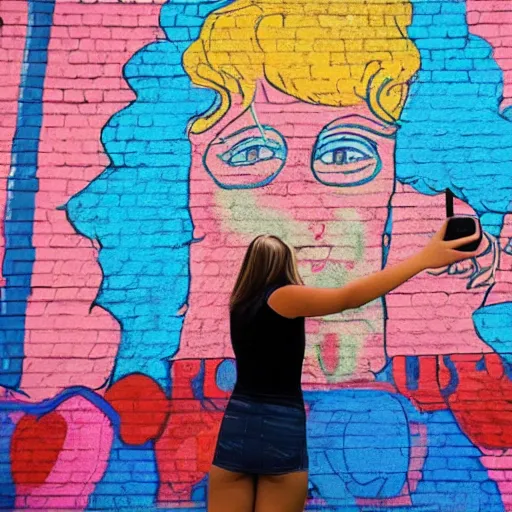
(462, 226)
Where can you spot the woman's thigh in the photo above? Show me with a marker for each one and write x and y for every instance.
(282, 493)
(230, 492)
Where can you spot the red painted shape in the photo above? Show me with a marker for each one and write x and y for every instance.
(142, 406)
(330, 350)
(35, 447)
(183, 372)
(444, 375)
(184, 451)
(482, 402)
(428, 396)
(210, 387)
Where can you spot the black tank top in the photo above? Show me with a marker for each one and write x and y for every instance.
(269, 351)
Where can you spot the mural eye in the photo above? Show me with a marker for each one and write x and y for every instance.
(345, 160)
(251, 157)
(251, 154)
(341, 156)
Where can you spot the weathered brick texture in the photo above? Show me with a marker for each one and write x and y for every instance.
(143, 144)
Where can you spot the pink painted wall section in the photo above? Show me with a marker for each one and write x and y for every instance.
(12, 41)
(492, 20)
(84, 87)
(123, 350)
(432, 313)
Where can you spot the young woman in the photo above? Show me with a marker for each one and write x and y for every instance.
(261, 460)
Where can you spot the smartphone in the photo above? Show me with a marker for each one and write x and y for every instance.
(460, 226)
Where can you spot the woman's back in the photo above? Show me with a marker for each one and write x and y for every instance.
(269, 351)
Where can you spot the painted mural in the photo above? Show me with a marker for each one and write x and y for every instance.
(144, 144)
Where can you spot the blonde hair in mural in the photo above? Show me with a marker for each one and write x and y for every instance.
(329, 52)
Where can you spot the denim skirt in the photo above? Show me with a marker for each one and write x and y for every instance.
(262, 438)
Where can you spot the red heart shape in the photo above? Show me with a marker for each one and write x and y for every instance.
(35, 447)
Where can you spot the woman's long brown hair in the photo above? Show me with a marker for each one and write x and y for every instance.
(268, 260)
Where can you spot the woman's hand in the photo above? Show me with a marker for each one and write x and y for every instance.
(439, 253)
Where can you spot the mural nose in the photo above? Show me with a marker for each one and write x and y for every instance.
(318, 230)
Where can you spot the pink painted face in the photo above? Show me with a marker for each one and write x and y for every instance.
(319, 177)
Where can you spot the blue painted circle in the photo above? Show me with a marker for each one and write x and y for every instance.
(226, 375)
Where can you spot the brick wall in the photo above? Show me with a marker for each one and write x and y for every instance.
(144, 144)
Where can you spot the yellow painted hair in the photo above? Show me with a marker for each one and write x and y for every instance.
(329, 52)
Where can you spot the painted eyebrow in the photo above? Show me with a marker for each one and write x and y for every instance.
(374, 128)
(225, 138)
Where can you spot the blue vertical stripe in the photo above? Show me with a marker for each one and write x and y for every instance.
(412, 372)
(22, 186)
